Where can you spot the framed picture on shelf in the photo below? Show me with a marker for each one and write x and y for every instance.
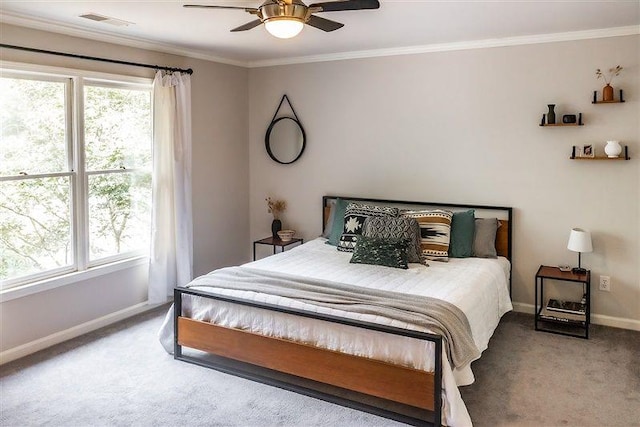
(588, 151)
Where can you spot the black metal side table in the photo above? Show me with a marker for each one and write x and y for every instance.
(275, 242)
(558, 322)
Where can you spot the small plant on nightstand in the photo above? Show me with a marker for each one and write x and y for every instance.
(276, 207)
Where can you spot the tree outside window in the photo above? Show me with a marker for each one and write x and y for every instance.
(71, 198)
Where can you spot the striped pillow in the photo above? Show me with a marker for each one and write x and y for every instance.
(435, 232)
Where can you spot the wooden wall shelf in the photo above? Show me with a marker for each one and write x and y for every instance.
(615, 101)
(543, 122)
(600, 158)
(624, 156)
(562, 124)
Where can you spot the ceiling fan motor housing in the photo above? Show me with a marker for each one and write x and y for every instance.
(286, 18)
(275, 11)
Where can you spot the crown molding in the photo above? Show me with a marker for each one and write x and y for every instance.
(70, 30)
(30, 22)
(465, 45)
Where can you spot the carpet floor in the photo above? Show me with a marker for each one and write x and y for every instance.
(121, 376)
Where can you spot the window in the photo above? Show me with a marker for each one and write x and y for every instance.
(117, 134)
(75, 174)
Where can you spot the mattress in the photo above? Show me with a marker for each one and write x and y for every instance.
(479, 287)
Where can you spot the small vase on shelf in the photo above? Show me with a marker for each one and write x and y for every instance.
(607, 93)
(551, 115)
(613, 149)
(276, 226)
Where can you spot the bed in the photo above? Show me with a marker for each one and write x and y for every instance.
(385, 365)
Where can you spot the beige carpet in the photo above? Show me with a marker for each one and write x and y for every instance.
(120, 376)
(529, 378)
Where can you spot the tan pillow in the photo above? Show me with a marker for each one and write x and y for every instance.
(435, 232)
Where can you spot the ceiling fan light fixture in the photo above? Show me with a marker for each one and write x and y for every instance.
(284, 28)
(286, 18)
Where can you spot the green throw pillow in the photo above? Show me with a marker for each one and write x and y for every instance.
(380, 251)
(337, 222)
(462, 230)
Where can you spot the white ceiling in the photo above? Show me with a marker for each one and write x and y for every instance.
(398, 25)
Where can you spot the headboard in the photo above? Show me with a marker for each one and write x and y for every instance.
(504, 214)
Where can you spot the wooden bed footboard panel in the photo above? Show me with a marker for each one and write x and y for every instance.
(376, 378)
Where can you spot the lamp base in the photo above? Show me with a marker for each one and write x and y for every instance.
(578, 270)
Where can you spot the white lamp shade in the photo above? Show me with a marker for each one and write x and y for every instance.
(580, 240)
(284, 28)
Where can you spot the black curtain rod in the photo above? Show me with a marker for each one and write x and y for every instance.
(93, 58)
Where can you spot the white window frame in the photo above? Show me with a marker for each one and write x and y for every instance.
(84, 222)
(81, 268)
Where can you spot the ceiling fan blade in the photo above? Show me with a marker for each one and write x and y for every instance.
(247, 26)
(334, 6)
(209, 6)
(324, 24)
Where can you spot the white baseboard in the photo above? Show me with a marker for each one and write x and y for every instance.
(597, 319)
(58, 337)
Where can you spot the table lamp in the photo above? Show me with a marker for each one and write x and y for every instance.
(579, 241)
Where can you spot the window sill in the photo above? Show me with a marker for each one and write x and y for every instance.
(70, 278)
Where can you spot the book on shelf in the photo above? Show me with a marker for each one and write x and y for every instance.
(571, 307)
(558, 316)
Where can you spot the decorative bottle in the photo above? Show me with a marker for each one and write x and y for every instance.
(276, 226)
(551, 115)
(607, 93)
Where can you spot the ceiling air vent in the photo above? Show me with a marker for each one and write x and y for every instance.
(106, 19)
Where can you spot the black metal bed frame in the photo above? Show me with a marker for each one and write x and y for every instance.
(259, 374)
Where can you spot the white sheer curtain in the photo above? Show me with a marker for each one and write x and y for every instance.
(171, 261)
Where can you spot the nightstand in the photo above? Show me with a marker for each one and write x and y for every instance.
(562, 322)
(275, 242)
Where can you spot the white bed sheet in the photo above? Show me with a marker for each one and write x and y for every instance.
(479, 287)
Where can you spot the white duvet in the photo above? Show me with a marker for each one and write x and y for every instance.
(479, 287)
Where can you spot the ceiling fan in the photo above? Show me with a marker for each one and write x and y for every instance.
(286, 18)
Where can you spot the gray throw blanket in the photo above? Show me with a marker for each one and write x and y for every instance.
(440, 317)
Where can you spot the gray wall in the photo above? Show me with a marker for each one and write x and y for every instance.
(220, 184)
(452, 126)
(462, 126)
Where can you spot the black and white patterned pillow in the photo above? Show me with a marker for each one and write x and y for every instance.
(354, 218)
(396, 228)
(380, 251)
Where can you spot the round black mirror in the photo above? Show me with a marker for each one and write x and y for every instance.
(285, 140)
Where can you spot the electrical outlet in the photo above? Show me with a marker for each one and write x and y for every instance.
(605, 283)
